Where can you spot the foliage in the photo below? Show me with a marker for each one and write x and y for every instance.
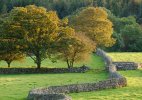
(126, 26)
(37, 29)
(132, 37)
(121, 8)
(74, 47)
(95, 24)
(36, 32)
(63, 7)
(9, 49)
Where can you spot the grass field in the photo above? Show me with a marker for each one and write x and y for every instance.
(16, 87)
(132, 92)
(94, 62)
(126, 56)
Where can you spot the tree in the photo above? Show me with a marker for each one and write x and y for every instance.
(36, 29)
(4, 9)
(73, 47)
(132, 35)
(9, 49)
(9, 57)
(119, 25)
(95, 24)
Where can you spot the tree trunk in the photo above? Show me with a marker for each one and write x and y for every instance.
(38, 64)
(68, 64)
(8, 63)
(71, 64)
(38, 61)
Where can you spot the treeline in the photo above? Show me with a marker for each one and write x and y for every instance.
(121, 8)
(63, 7)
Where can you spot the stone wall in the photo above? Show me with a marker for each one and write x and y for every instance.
(115, 81)
(48, 96)
(105, 57)
(43, 70)
(76, 88)
(110, 66)
(126, 65)
(119, 65)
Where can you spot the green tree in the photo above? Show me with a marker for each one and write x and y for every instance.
(119, 24)
(9, 49)
(4, 9)
(132, 35)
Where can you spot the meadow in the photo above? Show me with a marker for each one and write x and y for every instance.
(94, 61)
(16, 87)
(132, 92)
(126, 56)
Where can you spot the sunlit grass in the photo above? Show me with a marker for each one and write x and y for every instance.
(126, 56)
(94, 62)
(16, 87)
(132, 92)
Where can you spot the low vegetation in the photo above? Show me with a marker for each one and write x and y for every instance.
(126, 56)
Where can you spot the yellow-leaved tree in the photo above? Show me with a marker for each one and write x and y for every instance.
(73, 47)
(95, 24)
(36, 29)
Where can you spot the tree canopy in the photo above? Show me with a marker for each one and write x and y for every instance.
(95, 24)
(35, 29)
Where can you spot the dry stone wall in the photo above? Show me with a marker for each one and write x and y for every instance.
(119, 65)
(115, 81)
(43, 70)
(126, 65)
(74, 88)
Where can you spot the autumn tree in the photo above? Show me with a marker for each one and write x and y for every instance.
(95, 24)
(37, 29)
(10, 56)
(9, 50)
(73, 47)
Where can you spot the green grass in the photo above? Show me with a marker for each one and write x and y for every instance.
(16, 87)
(126, 56)
(132, 92)
(94, 62)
